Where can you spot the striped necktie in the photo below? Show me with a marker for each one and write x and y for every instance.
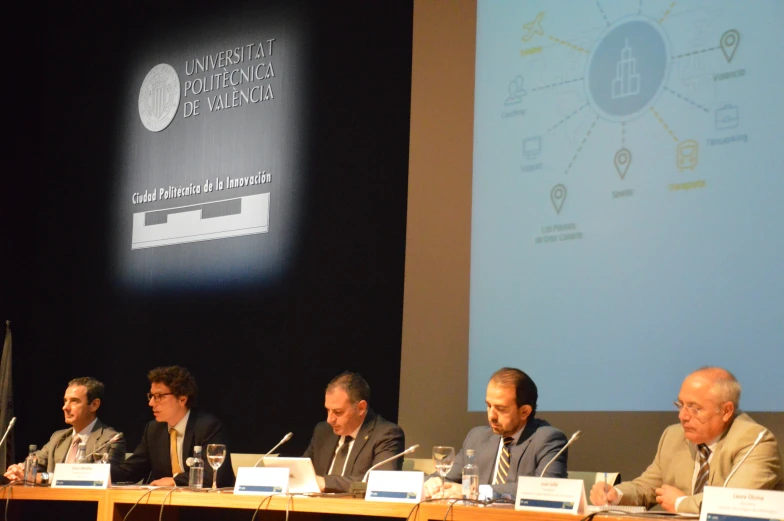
(702, 474)
(71, 456)
(502, 474)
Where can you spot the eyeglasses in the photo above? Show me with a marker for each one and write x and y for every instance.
(692, 410)
(157, 396)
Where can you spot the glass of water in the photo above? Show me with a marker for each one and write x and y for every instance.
(216, 453)
(443, 458)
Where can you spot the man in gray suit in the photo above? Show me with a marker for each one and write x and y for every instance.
(514, 444)
(80, 407)
(353, 438)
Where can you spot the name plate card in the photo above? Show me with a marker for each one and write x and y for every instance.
(566, 496)
(81, 475)
(394, 486)
(261, 481)
(738, 504)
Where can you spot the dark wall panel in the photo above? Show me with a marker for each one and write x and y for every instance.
(262, 342)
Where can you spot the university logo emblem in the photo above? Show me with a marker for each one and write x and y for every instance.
(159, 97)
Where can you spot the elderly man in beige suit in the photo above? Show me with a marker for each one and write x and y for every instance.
(702, 450)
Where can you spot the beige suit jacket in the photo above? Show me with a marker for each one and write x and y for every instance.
(674, 465)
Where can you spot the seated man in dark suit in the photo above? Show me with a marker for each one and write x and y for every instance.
(167, 442)
(353, 438)
(80, 407)
(515, 443)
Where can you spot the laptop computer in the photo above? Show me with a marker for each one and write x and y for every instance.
(302, 475)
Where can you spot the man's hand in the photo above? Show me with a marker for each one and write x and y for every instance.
(453, 489)
(15, 472)
(603, 494)
(322, 483)
(666, 496)
(164, 482)
(433, 489)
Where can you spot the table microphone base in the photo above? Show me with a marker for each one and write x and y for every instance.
(358, 488)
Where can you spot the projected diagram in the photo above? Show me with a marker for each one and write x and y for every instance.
(625, 74)
(625, 212)
(233, 217)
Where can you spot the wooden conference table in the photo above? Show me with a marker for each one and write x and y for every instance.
(113, 505)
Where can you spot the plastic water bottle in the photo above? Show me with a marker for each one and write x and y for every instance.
(470, 477)
(196, 475)
(31, 467)
(81, 454)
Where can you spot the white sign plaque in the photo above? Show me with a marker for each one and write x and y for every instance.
(81, 475)
(566, 496)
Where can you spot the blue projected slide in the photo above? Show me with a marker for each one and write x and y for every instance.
(628, 199)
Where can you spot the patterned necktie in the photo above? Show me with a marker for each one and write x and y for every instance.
(340, 457)
(71, 457)
(502, 474)
(175, 461)
(702, 474)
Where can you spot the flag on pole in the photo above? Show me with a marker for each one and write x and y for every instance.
(6, 400)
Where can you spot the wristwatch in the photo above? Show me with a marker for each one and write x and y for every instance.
(44, 478)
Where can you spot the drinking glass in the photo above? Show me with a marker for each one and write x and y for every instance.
(443, 458)
(100, 457)
(216, 453)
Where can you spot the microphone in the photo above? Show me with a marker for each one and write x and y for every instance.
(574, 438)
(754, 445)
(409, 450)
(286, 438)
(359, 488)
(10, 426)
(114, 439)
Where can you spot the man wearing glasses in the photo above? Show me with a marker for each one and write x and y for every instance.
(704, 449)
(167, 442)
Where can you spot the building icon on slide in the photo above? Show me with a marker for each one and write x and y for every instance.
(627, 79)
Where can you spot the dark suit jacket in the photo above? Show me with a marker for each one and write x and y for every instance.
(151, 459)
(537, 445)
(377, 440)
(56, 449)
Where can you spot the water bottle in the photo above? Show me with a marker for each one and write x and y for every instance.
(81, 453)
(196, 476)
(31, 467)
(470, 477)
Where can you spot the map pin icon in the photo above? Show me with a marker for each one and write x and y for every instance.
(729, 43)
(558, 196)
(622, 160)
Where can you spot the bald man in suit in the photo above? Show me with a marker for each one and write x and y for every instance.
(702, 450)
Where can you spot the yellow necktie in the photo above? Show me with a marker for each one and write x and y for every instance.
(176, 469)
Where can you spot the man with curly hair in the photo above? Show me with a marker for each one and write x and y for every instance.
(168, 441)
